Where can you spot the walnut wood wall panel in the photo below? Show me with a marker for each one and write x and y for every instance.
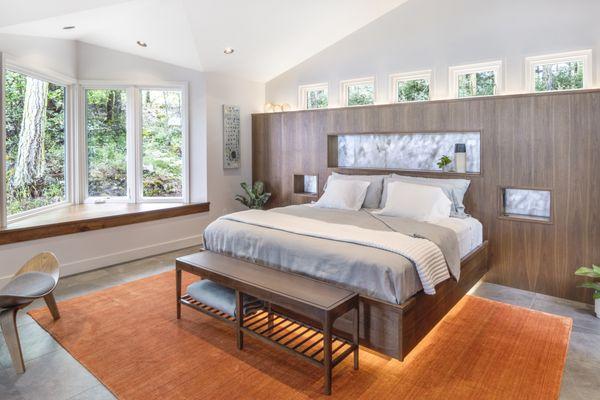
(548, 141)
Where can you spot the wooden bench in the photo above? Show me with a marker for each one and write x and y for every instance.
(315, 300)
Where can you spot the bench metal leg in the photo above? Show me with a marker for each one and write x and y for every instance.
(239, 318)
(327, 362)
(178, 291)
(8, 323)
(51, 303)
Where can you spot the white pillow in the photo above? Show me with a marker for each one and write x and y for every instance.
(419, 202)
(344, 194)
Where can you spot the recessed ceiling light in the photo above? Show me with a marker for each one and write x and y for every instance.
(141, 44)
(68, 27)
(228, 50)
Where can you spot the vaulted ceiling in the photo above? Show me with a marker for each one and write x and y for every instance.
(268, 36)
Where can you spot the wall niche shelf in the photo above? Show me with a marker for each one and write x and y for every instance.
(525, 204)
(406, 152)
(306, 188)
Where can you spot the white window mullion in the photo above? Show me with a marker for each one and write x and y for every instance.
(133, 141)
(80, 148)
(186, 143)
(72, 130)
(2, 148)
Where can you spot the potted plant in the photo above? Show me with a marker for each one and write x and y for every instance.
(255, 198)
(444, 163)
(593, 272)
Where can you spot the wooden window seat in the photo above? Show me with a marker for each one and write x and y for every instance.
(88, 217)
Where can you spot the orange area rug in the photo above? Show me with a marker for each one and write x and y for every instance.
(129, 338)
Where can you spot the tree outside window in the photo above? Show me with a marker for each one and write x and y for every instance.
(477, 84)
(559, 76)
(35, 142)
(106, 128)
(413, 90)
(361, 94)
(316, 99)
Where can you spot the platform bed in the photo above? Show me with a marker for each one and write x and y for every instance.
(395, 329)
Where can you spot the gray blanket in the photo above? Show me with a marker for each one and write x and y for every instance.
(372, 272)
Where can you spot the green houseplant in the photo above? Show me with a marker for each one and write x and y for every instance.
(592, 272)
(255, 198)
(444, 162)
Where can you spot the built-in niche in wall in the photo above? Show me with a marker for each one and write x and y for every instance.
(405, 151)
(306, 185)
(526, 204)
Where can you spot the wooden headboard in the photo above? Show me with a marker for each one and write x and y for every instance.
(541, 141)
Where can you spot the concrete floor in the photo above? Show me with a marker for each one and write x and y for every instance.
(52, 374)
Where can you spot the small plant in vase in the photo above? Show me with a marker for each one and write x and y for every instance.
(593, 272)
(255, 198)
(444, 163)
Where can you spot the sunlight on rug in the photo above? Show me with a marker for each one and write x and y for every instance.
(129, 338)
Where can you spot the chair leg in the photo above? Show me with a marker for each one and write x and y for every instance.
(51, 303)
(8, 322)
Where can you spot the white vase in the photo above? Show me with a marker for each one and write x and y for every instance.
(598, 308)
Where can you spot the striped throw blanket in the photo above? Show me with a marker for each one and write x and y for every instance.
(424, 254)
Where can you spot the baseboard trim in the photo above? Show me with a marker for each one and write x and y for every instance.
(90, 264)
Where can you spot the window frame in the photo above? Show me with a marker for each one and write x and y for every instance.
(70, 84)
(585, 56)
(457, 70)
(346, 84)
(185, 196)
(134, 141)
(303, 91)
(84, 196)
(397, 78)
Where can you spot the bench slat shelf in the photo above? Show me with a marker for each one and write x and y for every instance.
(295, 336)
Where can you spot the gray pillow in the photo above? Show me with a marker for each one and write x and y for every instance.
(373, 197)
(454, 189)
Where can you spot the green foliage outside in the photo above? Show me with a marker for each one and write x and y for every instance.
(561, 76)
(317, 99)
(413, 90)
(477, 84)
(106, 126)
(50, 187)
(359, 95)
(162, 143)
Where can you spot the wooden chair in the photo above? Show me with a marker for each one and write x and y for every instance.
(36, 279)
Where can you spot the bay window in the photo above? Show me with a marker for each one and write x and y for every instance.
(117, 143)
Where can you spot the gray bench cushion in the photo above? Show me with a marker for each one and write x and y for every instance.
(217, 296)
(29, 284)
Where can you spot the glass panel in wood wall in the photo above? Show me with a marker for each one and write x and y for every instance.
(405, 151)
(528, 203)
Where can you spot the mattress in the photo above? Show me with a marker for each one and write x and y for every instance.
(469, 232)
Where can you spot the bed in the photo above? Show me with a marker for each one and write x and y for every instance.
(395, 311)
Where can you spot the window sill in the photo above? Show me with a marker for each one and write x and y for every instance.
(88, 217)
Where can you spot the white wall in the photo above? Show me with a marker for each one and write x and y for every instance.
(208, 180)
(436, 34)
(250, 96)
(45, 54)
